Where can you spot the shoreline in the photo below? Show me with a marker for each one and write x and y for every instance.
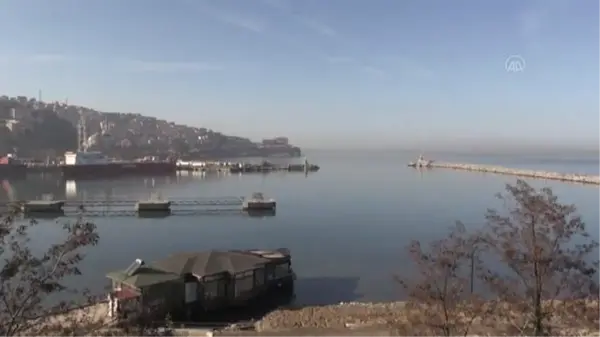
(567, 177)
(344, 318)
(342, 315)
(330, 319)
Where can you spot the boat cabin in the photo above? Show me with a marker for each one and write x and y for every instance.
(185, 285)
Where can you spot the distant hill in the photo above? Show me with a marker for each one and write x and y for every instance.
(41, 130)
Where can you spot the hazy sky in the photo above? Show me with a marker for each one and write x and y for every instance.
(345, 72)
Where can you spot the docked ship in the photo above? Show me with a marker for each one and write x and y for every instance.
(84, 164)
(11, 167)
(94, 164)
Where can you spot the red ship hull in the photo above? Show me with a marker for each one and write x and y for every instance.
(91, 171)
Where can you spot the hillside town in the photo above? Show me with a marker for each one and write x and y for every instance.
(32, 128)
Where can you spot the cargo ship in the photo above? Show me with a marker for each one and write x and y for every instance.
(11, 167)
(94, 164)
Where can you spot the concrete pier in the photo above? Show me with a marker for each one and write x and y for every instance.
(154, 207)
(42, 206)
(569, 177)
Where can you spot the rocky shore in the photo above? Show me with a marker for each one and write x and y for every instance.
(385, 319)
(353, 319)
(570, 177)
(342, 316)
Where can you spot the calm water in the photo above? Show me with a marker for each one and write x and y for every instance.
(347, 225)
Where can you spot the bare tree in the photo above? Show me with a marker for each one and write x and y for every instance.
(28, 280)
(546, 248)
(30, 283)
(442, 296)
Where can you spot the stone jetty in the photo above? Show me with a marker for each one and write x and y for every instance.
(570, 177)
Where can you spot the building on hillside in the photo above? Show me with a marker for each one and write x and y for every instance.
(276, 141)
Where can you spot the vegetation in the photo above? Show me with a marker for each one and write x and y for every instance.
(545, 282)
(46, 134)
(48, 130)
(31, 283)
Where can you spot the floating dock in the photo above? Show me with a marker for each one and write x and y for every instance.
(42, 206)
(568, 177)
(258, 203)
(152, 207)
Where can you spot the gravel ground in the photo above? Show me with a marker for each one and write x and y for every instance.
(381, 319)
(347, 316)
(374, 331)
(347, 319)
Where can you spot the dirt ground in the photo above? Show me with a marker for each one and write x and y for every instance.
(357, 319)
(344, 316)
(347, 319)
(374, 331)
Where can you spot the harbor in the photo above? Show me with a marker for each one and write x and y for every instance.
(138, 168)
(256, 205)
(370, 206)
(91, 164)
(537, 174)
(244, 167)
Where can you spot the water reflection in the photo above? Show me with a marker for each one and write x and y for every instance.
(261, 213)
(71, 189)
(9, 190)
(202, 175)
(37, 185)
(326, 290)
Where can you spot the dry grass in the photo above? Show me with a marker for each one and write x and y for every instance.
(398, 318)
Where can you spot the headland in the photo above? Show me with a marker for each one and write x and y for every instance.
(59, 127)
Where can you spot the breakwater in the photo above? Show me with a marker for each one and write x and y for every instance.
(570, 177)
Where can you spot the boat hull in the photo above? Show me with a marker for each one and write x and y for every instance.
(259, 205)
(91, 171)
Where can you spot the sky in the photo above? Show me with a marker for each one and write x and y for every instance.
(325, 73)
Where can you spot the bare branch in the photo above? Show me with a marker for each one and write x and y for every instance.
(443, 290)
(546, 248)
(30, 283)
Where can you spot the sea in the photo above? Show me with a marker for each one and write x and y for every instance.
(347, 225)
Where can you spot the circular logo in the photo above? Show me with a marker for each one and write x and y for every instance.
(515, 64)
